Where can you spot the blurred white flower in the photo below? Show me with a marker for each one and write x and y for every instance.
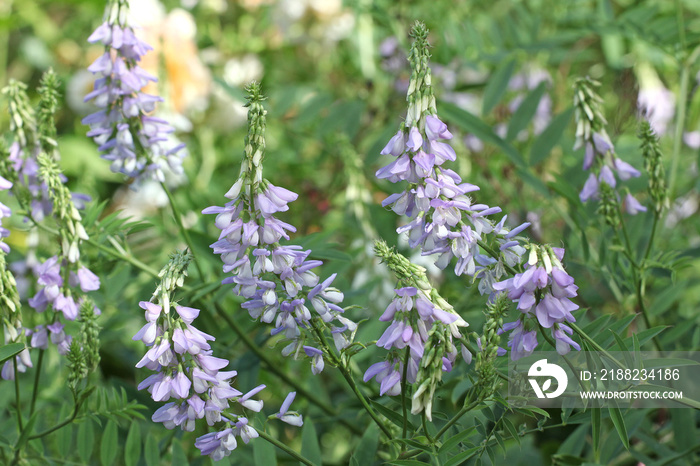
(78, 86)
(242, 70)
(654, 100)
(681, 209)
(692, 139)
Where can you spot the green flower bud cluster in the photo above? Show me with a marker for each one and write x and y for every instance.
(48, 105)
(485, 368)
(410, 274)
(609, 208)
(587, 107)
(429, 376)
(22, 116)
(71, 228)
(172, 276)
(77, 365)
(439, 343)
(420, 96)
(6, 170)
(406, 272)
(654, 167)
(89, 334)
(10, 307)
(255, 139)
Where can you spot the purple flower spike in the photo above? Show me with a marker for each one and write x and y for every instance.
(137, 144)
(278, 281)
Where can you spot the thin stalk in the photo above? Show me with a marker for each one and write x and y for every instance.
(680, 455)
(404, 387)
(628, 243)
(20, 424)
(274, 368)
(638, 273)
(126, 258)
(496, 256)
(263, 435)
(363, 400)
(351, 382)
(58, 426)
(37, 374)
(650, 244)
(465, 409)
(680, 124)
(424, 421)
(181, 226)
(594, 344)
(112, 252)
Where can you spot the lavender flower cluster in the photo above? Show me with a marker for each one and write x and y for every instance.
(10, 315)
(420, 338)
(187, 371)
(599, 151)
(443, 218)
(412, 313)
(445, 221)
(544, 290)
(127, 133)
(278, 280)
(62, 280)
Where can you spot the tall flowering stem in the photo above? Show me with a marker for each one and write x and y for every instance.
(127, 133)
(443, 219)
(277, 280)
(23, 166)
(39, 186)
(420, 336)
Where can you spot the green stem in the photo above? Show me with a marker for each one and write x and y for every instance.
(274, 368)
(36, 381)
(112, 252)
(263, 435)
(181, 226)
(594, 344)
(638, 273)
(680, 455)
(404, 387)
(465, 409)
(496, 256)
(654, 227)
(363, 400)
(628, 243)
(20, 424)
(424, 421)
(60, 425)
(680, 124)
(340, 364)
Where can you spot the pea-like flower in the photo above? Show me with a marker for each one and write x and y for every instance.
(125, 129)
